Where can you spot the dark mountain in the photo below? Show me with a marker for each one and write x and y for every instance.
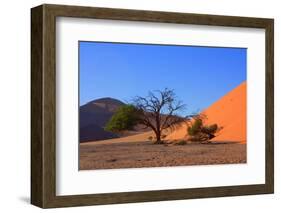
(98, 111)
(94, 132)
(94, 115)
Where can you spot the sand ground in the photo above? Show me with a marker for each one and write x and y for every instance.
(97, 155)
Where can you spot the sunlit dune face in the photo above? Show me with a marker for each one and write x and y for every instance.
(229, 113)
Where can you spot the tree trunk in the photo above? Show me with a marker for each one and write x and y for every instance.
(158, 131)
(158, 138)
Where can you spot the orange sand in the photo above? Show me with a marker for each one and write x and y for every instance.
(229, 112)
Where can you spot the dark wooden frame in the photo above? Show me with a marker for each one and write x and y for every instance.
(43, 105)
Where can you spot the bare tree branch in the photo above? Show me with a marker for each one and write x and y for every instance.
(159, 110)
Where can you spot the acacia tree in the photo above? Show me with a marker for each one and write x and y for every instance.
(158, 111)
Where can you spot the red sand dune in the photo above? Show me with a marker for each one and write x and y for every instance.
(228, 112)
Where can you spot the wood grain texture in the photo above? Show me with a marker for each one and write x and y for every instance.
(269, 99)
(43, 105)
(36, 106)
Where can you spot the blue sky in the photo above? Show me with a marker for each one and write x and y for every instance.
(198, 75)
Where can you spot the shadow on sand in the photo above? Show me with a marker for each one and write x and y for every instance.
(222, 142)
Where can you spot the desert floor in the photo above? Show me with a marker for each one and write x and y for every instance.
(97, 155)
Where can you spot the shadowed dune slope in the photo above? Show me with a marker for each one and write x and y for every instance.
(228, 112)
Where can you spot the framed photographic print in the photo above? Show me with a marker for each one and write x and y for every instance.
(137, 106)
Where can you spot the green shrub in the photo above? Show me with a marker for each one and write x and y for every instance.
(210, 130)
(198, 132)
(125, 118)
(195, 128)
